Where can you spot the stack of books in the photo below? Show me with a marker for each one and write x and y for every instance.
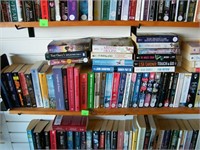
(156, 52)
(71, 51)
(191, 55)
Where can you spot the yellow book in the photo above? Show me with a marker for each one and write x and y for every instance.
(134, 134)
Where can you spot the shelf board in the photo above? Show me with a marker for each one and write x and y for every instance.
(107, 111)
(103, 23)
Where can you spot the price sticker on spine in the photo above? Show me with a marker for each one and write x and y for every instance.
(43, 23)
(84, 112)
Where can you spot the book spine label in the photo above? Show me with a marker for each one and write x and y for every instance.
(63, 10)
(58, 84)
(113, 9)
(119, 9)
(155, 69)
(97, 90)
(160, 57)
(142, 63)
(83, 9)
(102, 68)
(51, 91)
(108, 90)
(158, 45)
(90, 90)
(83, 90)
(132, 9)
(73, 10)
(76, 89)
(98, 55)
(117, 49)
(44, 9)
(115, 87)
(64, 75)
(125, 101)
(70, 85)
(112, 62)
(52, 10)
(125, 9)
(159, 51)
(121, 89)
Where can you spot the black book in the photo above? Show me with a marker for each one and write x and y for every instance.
(47, 135)
(119, 9)
(61, 139)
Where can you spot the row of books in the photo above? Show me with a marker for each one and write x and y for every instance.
(62, 10)
(140, 132)
(76, 87)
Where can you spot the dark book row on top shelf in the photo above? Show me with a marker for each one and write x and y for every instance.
(73, 10)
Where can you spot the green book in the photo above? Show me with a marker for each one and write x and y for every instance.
(90, 90)
(13, 8)
(105, 8)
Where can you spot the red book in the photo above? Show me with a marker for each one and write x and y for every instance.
(83, 90)
(64, 74)
(120, 135)
(53, 139)
(114, 98)
(76, 88)
(70, 123)
(70, 85)
(132, 9)
(44, 9)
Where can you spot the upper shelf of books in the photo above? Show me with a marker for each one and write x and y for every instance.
(103, 23)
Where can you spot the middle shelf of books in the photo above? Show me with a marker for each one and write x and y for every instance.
(107, 76)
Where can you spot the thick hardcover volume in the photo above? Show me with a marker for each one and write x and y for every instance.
(97, 89)
(143, 88)
(119, 9)
(159, 57)
(70, 45)
(115, 88)
(155, 90)
(70, 86)
(121, 89)
(65, 86)
(113, 10)
(53, 139)
(157, 38)
(153, 63)
(64, 10)
(112, 62)
(17, 84)
(101, 55)
(105, 9)
(125, 9)
(30, 135)
(44, 9)
(76, 89)
(58, 85)
(126, 97)
(136, 90)
(192, 90)
(83, 10)
(28, 9)
(149, 89)
(51, 90)
(72, 10)
(83, 90)
(102, 90)
(52, 10)
(36, 84)
(90, 100)
(13, 8)
(70, 123)
(108, 90)
(132, 9)
(182, 6)
(61, 139)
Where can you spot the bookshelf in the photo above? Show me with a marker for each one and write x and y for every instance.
(104, 23)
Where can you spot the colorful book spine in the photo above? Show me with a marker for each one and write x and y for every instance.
(70, 88)
(70, 140)
(83, 90)
(88, 139)
(102, 90)
(131, 91)
(97, 90)
(153, 10)
(159, 51)
(44, 9)
(197, 99)
(99, 55)
(108, 90)
(77, 140)
(13, 8)
(102, 68)
(159, 57)
(125, 9)
(121, 89)
(53, 139)
(113, 9)
(105, 9)
(83, 140)
(72, 10)
(58, 85)
(77, 88)
(90, 100)
(132, 9)
(158, 45)
(126, 96)
(115, 87)
(52, 10)
(68, 61)
(154, 63)
(112, 62)
(83, 10)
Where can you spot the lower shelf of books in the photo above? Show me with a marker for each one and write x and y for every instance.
(107, 111)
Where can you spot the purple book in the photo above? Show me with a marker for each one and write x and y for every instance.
(73, 10)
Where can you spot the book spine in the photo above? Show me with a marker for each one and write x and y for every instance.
(72, 10)
(47, 139)
(95, 139)
(197, 99)
(125, 9)
(160, 57)
(125, 102)
(97, 90)
(51, 91)
(197, 12)
(68, 61)
(83, 140)
(105, 9)
(51, 10)
(98, 55)
(146, 10)
(88, 139)
(120, 139)
(131, 91)
(174, 139)
(117, 49)
(182, 6)
(132, 9)
(166, 16)
(31, 140)
(63, 11)
(157, 39)
(119, 8)
(190, 102)
(83, 10)
(102, 68)
(77, 140)
(70, 86)
(102, 90)
(13, 8)
(113, 10)
(126, 138)
(108, 140)
(155, 69)
(115, 87)
(90, 10)
(114, 140)
(65, 88)
(57, 10)
(158, 45)
(83, 90)
(44, 9)
(76, 89)
(121, 89)
(142, 10)
(53, 139)
(5, 11)
(146, 63)
(37, 10)
(161, 4)
(138, 10)
(136, 90)
(112, 62)
(173, 90)
(58, 84)
(127, 69)
(173, 6)
(108, 90)
(70, 139)
(102, 140)
(152, 10)
(90, 100)
(159, 51)
(97, 10)
(166, 139)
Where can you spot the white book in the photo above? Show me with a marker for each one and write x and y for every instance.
(57, 10)
(19, 11)
(189, 134)
(126, 90)
(155, 69)
(138, 10)
(125, 10)
(141, 131)
(191, 57)
(101, 55)
(90, 10)
(158, 45)
(97, 90)
(176, 13)
(142, 10)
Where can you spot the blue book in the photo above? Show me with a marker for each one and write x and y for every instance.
(102, 68)
(108, 90)
(113, 10)
(89, 139)
(58, 85)
(83, 9)
(128, 69)
(121, 89)
(72, 10)
(77, 140)
(70, 140)
(83, 140)
(112, 62)
(125, 10)
(136, 90)
(36, 84)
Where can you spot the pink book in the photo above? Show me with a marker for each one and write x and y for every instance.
(114, 98)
